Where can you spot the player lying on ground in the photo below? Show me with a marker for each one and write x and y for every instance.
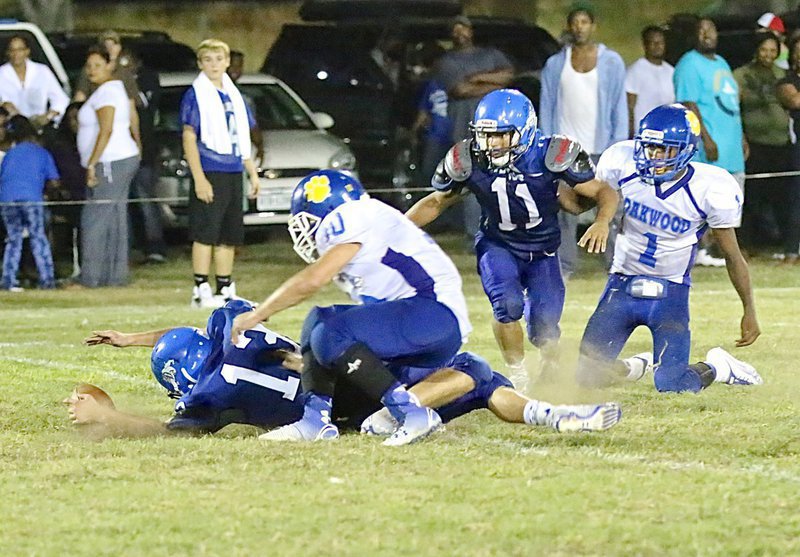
(256, 382)
(669, 203)
(514, 173)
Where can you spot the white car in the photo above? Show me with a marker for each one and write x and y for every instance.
(295, 144)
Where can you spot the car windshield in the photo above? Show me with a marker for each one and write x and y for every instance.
(274, 108)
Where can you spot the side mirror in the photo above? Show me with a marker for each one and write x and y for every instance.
(323, 120)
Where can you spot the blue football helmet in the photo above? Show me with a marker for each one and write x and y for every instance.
(504, 126)
(666, 142)
(177, 358)
(313, 199)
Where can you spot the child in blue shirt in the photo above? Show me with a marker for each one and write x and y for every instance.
(25, 171)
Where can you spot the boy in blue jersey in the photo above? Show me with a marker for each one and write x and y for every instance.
(256, 382)
(216, 127)
(514, 172)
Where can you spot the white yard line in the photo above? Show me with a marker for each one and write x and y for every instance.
(764, 471)
(56, 366)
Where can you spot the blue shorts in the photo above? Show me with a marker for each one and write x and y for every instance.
(414, 331)
(516, 287)
(618, 313)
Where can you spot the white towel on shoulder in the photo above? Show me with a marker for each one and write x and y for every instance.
(213, 126)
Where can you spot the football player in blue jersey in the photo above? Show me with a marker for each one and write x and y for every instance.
(409, 305)
(214, 381)
(669, 202)
(515, 172)
(256, 382)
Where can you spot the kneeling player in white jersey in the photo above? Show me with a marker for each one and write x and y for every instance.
(410, 310)
(668, 204)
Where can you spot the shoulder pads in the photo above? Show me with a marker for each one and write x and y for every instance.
(561, 153)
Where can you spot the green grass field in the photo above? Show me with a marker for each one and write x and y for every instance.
(709, 474)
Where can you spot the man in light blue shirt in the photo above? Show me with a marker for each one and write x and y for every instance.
(705, 84)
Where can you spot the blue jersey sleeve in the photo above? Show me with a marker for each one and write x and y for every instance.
(189, 111)
(220, 322)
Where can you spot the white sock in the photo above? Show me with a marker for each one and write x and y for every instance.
(536, 412)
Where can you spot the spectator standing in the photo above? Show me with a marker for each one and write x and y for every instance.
(648, 81)
(432, 126)
(26, 170)
(144, 183)
(770, 23)
(214, 118)
(766, 127)
(64, 148)
(789, 96)
(111, 42)
(705, 84)
(583, 97)
(467, 73)
(111, 158)
(30, 87)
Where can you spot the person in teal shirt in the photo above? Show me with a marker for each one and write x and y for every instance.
(705, 84)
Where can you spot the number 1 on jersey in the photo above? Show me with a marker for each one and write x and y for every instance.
(233, 374)
(649, 256)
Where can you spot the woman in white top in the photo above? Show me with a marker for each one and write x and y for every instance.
(110, 155)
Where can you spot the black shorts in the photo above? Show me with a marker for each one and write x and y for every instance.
(221, 222)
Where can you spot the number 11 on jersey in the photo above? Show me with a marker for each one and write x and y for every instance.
(522, 192)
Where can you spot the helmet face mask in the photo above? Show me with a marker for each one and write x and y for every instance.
(499, 146)
(504, 127)
(314, 198)
(665, 144)
(302, 228)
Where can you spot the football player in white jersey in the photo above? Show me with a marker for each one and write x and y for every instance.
(669, 203)
(410, 311)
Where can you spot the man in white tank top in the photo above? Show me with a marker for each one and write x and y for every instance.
(583, 97)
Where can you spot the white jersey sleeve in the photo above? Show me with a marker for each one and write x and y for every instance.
(613, 163)
(723, 201)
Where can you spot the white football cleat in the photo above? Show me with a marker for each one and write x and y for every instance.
(705, 259)
(381, 423)
(295, 432)
(639, 365)
(416, 427)
(730, 370)
(203, 297)
(226, 294)
(584, 417)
